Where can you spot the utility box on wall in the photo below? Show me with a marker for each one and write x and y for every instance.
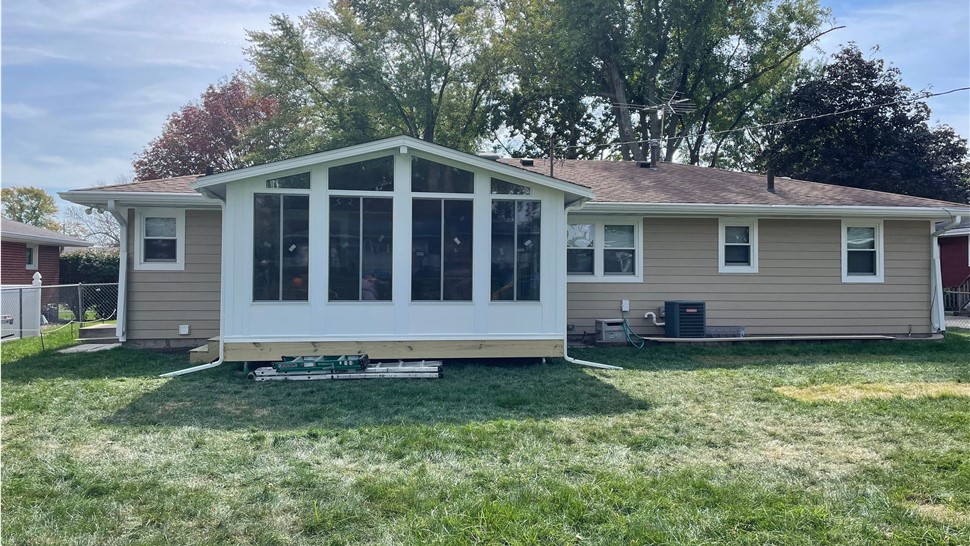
(684, 319)
(610, 331)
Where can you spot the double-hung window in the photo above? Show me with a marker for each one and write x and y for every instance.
(160, 239)
(604, 249)
(737, 245)
(441, 232)
(361, 230)
(862, 251)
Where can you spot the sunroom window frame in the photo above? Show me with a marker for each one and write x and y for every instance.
(753, 243)
(599, 246)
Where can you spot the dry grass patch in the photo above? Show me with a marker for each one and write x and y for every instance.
(862, 391)
(940, 513)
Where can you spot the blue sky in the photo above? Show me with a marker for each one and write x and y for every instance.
(87, 83)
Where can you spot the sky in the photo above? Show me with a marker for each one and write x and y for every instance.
(86, 84)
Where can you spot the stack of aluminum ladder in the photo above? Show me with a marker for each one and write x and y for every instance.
(310, 368)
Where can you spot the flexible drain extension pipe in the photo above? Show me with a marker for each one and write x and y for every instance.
(121, 330)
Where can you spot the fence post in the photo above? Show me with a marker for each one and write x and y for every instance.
(80, 306)
(20, 309)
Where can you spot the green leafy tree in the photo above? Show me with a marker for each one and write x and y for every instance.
(30, 205)
(367, 69)
(673, 71)
(863, 128)
(215, 132)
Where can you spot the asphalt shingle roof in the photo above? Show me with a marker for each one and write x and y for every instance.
(18, 231)
(627, 182)
(178, 184)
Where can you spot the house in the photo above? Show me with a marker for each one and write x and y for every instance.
(955, 266)
(405, 249)
(29, 249)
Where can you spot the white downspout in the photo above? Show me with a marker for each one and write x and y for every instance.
(121, 329)
(565, 311)
(937, 313)
(222, 300)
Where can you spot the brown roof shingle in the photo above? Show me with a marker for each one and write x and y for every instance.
(178, 184)
(626, 182)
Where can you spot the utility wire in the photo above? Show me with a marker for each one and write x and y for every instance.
(783, 122)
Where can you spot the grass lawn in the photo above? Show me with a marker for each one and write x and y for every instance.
(781, 444)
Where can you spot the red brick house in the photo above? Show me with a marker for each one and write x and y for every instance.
(29, 249)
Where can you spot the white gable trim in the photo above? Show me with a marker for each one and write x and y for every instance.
(400, 144)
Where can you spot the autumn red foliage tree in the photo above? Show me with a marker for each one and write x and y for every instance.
(213, 132)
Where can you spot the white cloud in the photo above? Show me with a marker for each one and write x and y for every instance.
(19, 110)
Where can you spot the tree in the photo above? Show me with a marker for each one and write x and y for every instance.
(863, 128)
(100, 228)
(368, 69)
(30, 205)
(215, 132)
(672, 71)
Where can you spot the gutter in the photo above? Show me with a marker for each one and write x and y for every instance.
(572, 207)
(121, 329)
(222, 306)
(141, 198)
(937, 313)
(807, 211)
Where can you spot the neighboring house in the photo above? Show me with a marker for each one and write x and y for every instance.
(955, 256)
(29, 249)
(405, 249)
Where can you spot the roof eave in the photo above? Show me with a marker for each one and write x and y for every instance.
(403, 143)
(132, 198)
(45, 241)
(803, 211)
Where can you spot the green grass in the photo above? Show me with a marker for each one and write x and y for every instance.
(685, 446)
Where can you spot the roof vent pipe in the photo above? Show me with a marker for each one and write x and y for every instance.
(654, 153)
(526, 162)
(771, 180)
(209, 170)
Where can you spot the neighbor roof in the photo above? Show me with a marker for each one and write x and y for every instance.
(18, 232)
(627, 182)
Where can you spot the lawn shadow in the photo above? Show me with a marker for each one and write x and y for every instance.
(223, 398)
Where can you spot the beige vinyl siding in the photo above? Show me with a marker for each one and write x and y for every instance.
(160, 301)
(798, 289)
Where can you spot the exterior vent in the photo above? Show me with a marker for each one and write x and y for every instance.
(643, 164)
(526, 162)
(685, 319)
(610, 331)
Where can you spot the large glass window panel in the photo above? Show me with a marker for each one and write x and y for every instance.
(344, 268)
(294, 181)
(370, 175)
(426, 235)
(428, 176)
(295, 247)
(737, 245)
(528, 216)
(266, 247)
(376, 249)
(501, 187)
(516, 250)
(160, 242)
(503, 251)
(457, 251)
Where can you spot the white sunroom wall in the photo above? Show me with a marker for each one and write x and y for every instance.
(400, 319)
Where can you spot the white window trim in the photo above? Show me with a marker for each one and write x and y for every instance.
(600, 239)
(140, 263)
(880, 252)
(752, 225)
(32, 266)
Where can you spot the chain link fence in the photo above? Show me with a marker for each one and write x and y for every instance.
(26, 310)
(957, 306)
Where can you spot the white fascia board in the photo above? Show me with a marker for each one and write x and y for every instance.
(763, 211)
(396, 143)
(139, 199)
(46, 241)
